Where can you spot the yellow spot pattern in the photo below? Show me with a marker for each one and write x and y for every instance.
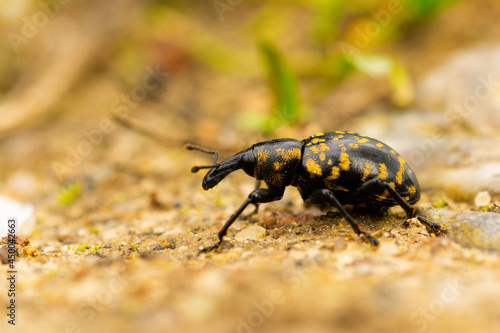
(289, 154)
(344, 161)
(338, 137)
(335, 174)
(262, 156)
(277, 166)
(322, 156)
(323, 147)
(399, 174)
(366, 171)
(393, 152)
(379, 145)
(382, 171)
(313, 167)
(383, 196)
(412, 189)
(316, 140)
(353, 145)
(364, 140)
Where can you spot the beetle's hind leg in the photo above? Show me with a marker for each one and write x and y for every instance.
(379, 186)
(326, 195)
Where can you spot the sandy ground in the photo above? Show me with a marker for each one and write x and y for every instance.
(120, 253)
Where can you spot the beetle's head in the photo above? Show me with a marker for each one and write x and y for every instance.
(218, 171)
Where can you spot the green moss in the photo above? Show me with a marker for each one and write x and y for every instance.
(69, 193)
(440, 204)
(82, 248)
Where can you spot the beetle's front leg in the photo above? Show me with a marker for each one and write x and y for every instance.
(256, 209)
(256, 197)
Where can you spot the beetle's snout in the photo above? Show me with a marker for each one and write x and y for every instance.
(211, 179)
(205, 185)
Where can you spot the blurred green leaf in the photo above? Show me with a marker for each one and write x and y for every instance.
(419, 10)
(284, 86)
(375, 66)
(325, 23)
(69, 193)
(402, 85)
(382, 66)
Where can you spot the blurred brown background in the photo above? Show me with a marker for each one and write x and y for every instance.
(98, 98)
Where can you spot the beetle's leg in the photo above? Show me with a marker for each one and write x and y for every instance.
(377, 185)
(258, 196)
(256, 209)
(326, 195)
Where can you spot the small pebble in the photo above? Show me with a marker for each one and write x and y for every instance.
(183, 248)
(251, 233)
(482, 199)
(158, 248)
(30, 251)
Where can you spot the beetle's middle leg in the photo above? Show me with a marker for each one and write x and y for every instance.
(256, 197)
(376, 186)
(326, 195)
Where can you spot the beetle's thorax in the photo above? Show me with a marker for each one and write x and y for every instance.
(277, 161)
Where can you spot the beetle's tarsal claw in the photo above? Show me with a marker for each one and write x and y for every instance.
(373, 242)
(211, 249)
(432, 228)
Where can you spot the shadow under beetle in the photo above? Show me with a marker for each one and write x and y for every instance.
(337, 168)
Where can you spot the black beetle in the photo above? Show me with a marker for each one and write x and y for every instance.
(337, 168)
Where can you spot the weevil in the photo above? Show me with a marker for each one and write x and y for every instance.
(336, 168)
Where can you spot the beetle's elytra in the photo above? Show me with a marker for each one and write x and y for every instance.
(337, 168)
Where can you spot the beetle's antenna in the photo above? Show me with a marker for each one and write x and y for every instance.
(214, 152)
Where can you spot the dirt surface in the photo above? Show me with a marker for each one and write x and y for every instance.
(124, 256)
(118, 250)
